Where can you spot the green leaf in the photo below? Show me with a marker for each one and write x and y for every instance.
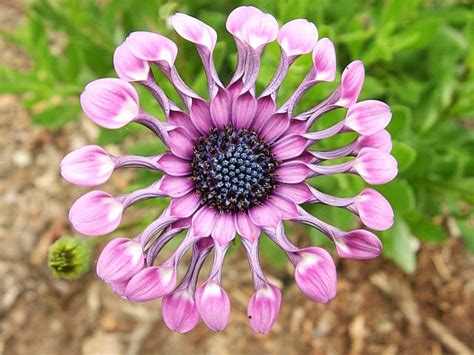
(400, 195)
(467, 234)
(401, 121)
(404, 154)
(56, 116)
(339, 217)
(112, 136)
(147, 147)
(16, 82)
(272, 253)
(448, 165)
(425, 229)
(398, 245)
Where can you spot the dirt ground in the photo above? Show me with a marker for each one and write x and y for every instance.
(378, 309)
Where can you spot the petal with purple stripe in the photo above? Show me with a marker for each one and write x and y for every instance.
(185, 206)
(224, 229)
(173, 165)
(243, 111)
(245, 227)
(286, 208)
(204, 221)
(180, 143)
(128, 67)
(289, 147)
(265, 108)
(265, 215)
(298, 193)
(152, 47)
(274, 127)
(183, 120)
(221, 109)
(201, 116)
(292, 172)
(175, 186)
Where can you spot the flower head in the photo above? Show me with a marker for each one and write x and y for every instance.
(69, 257)
(237, 163)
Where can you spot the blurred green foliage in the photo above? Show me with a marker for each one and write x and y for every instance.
(418, 55)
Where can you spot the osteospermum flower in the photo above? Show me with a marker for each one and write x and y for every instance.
(237, 164)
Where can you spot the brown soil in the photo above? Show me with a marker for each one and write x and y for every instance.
(378, 310)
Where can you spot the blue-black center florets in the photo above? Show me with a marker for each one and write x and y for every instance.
(233, 169)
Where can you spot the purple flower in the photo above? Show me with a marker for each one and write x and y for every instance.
(237, 163)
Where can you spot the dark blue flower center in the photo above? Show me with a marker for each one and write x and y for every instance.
(233, 169)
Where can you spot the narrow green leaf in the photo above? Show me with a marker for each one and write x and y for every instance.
(400, 195)
(425, 229)
(467, 234)
(398, 245)
(56, 116)
(404, 154)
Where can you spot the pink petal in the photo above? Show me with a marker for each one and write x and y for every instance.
(213, 305)
(128, 67)
(175, 186)
(274, 127)
(151, 283)
(263, 308)
(381, 140)
(368, 117)
(185, 206)
(243, 111)
(194, 30)
(316, 274)
(183, 223)
(298, 193)
(179, 311)
(245, 227)
(235, 89)
(297, 37)
(306, 157)
(224, 230)
(203, 221)
(152, 47)
(260, 30)
(289, 147)
(375, 166)
(174, 166)
(119, 288)
(358, 244)
(292, 172)
(110, 103)
(265, 108)
(87, 166)
(180, 143)
(120, 260)
(183, 120)
(265, 215)
(286, 208)
(324, 60)
(296, 127)
(96, 213)
(374, 210)
(238, 18)
(351, 83)
(201, 116)
(221, 109)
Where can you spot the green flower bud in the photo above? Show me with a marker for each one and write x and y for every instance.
(69, 257)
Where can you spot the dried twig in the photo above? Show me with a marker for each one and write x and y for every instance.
(447, 338)
(401, 293)
(358, 333)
